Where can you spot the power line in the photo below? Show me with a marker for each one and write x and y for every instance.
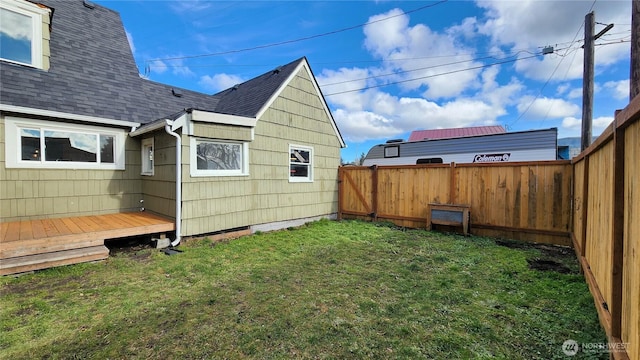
(299, 39)
(405, 71)
(430, 76)
(553, 73)
(429, 67)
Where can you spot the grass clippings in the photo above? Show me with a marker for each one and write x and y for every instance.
(328, 290)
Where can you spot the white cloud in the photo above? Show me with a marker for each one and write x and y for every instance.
(543, 108)
(467, 29)
(458, 99)
(574, 125)
(157, 66)
(619, 89)
(532, 24)
(219, 82)
(360, 126)
(575, 93)
(385, 116)
(562, 89)
(191, 7)
(409, 52)
(177, 66)
(342, 82)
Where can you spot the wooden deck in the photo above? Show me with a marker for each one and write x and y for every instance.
(40, 244)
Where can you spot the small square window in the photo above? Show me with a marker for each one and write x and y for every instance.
(391, 151)
(300, 163)
(147, 157)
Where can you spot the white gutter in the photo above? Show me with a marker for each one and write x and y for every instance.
(167, 128)
(147, 128)
(62, 115)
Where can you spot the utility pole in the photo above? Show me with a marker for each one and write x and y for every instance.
(587, 81)
(587, 77)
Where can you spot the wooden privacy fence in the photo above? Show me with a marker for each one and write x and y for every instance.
(526, 201)
(591, 203)
(606, 227)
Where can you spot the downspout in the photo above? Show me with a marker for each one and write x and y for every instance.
(167, 128)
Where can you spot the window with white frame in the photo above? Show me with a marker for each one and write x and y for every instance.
(147, 156)
(21, 33)
(300, 163)
(53, 145)
(219, 157)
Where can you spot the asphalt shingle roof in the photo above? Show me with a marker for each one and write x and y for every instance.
(93, 73)
(248, 98)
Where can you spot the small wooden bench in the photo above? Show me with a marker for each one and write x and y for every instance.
(450, 215)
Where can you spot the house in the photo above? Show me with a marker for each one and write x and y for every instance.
(83, 134)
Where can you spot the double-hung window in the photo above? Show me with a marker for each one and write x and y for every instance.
(219, 157)
(44, 144)
(21, 32)
(300, 163)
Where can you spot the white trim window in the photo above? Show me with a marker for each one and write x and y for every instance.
(146, 150)
(218, 157)
(300, 163)
(41, 144)
(21, 33)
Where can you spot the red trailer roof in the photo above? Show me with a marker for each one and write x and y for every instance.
(419, 135)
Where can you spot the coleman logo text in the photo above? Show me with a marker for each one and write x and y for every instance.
(483, 158)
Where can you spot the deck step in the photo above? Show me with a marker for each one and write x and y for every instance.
(12, 249)
(21, 264)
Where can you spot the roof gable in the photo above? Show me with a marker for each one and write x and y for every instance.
(253, 97)
(249, 97)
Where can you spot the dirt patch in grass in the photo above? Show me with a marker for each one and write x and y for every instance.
(548, 265)
(546, 257)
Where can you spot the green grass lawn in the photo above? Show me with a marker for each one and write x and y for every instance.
(328, 290)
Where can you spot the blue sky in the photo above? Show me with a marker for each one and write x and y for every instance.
(389, 67)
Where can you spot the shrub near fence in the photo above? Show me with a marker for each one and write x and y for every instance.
(526, 201)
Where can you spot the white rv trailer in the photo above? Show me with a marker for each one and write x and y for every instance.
(532, 145)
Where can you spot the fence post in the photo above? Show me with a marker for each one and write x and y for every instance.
(452, 185)
(585, 206)
(340, 192)
(617, 243)
(374, 192)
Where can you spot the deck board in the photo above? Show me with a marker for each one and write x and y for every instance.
(83, 224)
(38, 244)
(49, 228)
(13, 231)
(72, 225)
(37, 229)
(3, 230)
(61, 227)
(26, 231)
